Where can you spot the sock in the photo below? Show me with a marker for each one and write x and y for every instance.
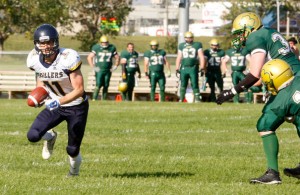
(271, 148)
(75, 164)
(48, 135)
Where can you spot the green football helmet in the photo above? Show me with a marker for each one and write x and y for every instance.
(276, 74)
(242, 26)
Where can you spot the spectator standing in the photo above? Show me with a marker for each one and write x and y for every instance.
(293, 45)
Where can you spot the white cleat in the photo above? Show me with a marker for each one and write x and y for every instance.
(49, 146)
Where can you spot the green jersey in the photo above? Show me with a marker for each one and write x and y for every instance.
(238, 60)
(132, 60)
(156, 59)
(287, 101)
(214, 59)
(103, 58)
(190, 53)
(273, 44)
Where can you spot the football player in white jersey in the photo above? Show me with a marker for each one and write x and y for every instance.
(58, 70)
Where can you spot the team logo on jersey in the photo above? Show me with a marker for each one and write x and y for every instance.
(296, 97)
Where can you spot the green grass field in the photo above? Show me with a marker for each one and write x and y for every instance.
(147, 148)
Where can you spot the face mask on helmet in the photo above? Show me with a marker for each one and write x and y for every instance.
(276, 75)
(188, 37)
(242, 26)
(46, 40)
(154, 45)
(104, 41)
(214, 44)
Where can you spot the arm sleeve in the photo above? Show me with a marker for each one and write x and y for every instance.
(246, 83)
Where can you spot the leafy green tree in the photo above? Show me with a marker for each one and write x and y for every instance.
(23, 16)
(261, 7)
(88, 14)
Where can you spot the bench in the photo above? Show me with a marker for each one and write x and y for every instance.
(141, 90)
(258, 97)
(112, 89)
(17, 82)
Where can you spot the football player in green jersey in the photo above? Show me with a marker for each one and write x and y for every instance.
(130, 65)
(101, 59)
(238, 66)
(280, 81)
(214, 70)
(154, 62)
(189, 56)
(262, 44)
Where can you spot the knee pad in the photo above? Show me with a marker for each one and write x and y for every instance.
(33, 135)
(72, 151)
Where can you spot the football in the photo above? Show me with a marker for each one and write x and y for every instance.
(37, 96)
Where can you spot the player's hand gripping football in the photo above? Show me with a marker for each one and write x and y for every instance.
(224, 96)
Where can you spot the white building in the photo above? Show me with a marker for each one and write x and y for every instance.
(154, 18)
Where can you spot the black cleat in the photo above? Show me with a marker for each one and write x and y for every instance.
(270, 177)
(70, 175)
(292, 172)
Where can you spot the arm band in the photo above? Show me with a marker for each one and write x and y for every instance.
(246, 83)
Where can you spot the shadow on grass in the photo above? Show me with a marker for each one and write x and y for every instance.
(154, 174)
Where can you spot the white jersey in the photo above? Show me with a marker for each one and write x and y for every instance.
(56, 75)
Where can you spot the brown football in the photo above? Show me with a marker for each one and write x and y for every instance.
(37, 97)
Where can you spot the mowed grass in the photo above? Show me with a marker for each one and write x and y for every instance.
(147, 148)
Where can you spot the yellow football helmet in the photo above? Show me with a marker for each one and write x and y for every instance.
(214, 42)
(154, 43)
(243, 25)
(103, 39)
(188, 35)
(276, 74)
(122, 87)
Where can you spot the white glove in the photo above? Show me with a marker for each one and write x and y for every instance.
(96, 69)
(113, 68)
(52, 104)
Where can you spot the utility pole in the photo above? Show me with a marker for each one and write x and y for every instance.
(278, 15)
(183, 22)
(166, 18)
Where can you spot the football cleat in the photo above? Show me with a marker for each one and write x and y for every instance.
(49, 146)
(292, 172)
(70, 175)
(270, 177)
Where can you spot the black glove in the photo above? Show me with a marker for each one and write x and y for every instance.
(224, 75)
(177, 73)
(224, 96)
